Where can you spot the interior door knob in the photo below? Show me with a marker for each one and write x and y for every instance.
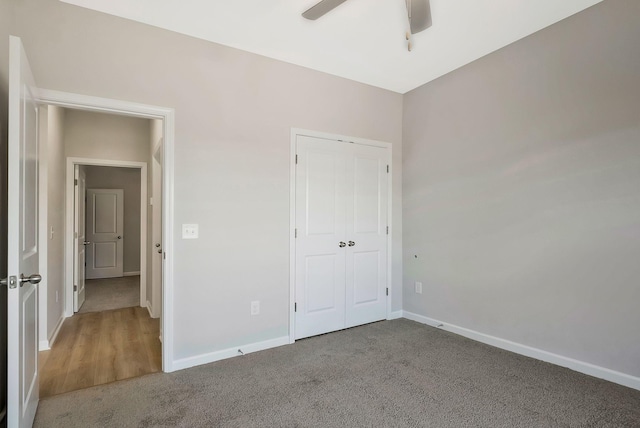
(342, 244)
(87, 242)
(119, 237)
(351, 243)
(157, 245)
(33, 279)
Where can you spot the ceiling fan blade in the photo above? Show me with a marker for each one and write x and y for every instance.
(315, 12)
(419, 15)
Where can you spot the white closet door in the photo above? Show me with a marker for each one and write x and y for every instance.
(366, 222)
(320, 222)
(341, 244)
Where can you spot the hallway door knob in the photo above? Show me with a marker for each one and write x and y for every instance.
(351, 243)
(342, 244)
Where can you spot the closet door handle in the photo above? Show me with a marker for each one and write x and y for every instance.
(342, 244)
(351, 243)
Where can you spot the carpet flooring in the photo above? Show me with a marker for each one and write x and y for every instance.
(111, 293)
(388, 374)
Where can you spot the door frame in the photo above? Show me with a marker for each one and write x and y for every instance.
(167, 115)
(295, 132)
(69, 217)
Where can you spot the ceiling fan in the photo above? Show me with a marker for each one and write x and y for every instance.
(418, 14)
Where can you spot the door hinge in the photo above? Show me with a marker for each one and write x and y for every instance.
(387, 291)
(12, 281)
(387, 230)
(387, 169)
(295, 233)
(295, 307)
(75, 181)
(75, 288)
(296, 159)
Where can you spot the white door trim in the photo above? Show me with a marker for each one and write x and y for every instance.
(69, 216)
(292, 213)
(167, 115)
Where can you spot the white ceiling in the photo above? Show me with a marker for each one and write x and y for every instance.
(362, 40)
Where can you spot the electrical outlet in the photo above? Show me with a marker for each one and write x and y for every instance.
(255, 307)
(189, 231)
(418, 287)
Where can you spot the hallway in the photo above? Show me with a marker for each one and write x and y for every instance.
(99, 347)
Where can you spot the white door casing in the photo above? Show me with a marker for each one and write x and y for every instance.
(105, 232)
(167, 115)
(80, 177)
(341, 205)
(22, 254)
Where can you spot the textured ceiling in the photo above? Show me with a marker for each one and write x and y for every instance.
(362, 40)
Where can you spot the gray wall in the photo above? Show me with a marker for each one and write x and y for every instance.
(234, 112)
(522, 191)
(100, 177)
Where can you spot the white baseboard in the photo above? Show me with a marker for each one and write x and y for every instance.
(136, 273)
(197, 360)
(395, 315)
(528, 351)
(45, 345)
(150, 309)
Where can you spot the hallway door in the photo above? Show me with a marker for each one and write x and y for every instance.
(79, 261)
(105, 233)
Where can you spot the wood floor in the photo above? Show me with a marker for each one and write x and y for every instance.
(101, 347)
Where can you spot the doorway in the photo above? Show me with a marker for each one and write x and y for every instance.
(122, 337)
(164, 118)
(162, 145)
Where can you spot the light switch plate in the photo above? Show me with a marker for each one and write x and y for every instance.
(189, 231)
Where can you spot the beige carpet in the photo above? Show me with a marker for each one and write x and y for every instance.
(111, 293)
(388, 374)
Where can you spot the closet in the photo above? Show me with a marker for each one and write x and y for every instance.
(341, 212)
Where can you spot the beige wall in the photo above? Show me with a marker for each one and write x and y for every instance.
(522, 191)
(55, 167)
(106, 136)
(234, 113)
(128, 179)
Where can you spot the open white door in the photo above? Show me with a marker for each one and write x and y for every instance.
(156, 230)
(22, 254)
(79, 236)
(105, 233)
